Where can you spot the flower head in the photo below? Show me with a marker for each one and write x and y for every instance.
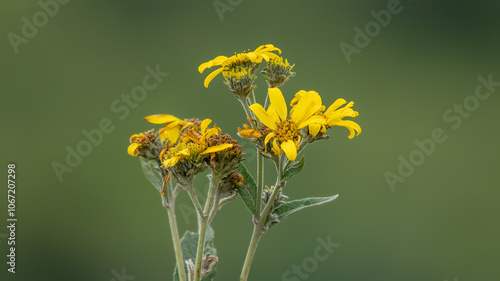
(333, 116)
(285, 131)
(144, 144)
(277, 72)
(248, 60)
(240, 81)
(189, 156)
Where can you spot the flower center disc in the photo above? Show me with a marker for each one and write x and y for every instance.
(287, 130)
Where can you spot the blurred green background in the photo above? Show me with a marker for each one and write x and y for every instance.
(442, 222)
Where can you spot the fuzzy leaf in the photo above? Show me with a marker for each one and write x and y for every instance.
(151, 169)
(189, 245)
(292, 169)
(248, 191)
(293, 206)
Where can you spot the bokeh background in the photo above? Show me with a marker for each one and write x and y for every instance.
(441, 223)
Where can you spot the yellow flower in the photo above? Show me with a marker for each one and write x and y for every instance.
(285, 131)
(243, 59)
(197, 147)
(334, 115)
(173, 126)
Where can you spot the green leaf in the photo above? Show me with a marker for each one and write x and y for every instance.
(189, 245)
(292, 169)
(151, 170)
(248, 191)
(293, 206)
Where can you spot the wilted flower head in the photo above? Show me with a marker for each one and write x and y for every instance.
(145, 144)
(190, 155)
(230, 183)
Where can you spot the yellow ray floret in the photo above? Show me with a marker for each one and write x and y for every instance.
(173, 126)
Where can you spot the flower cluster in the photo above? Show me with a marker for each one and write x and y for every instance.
(184, 148)
(187, 146)
(307, 117)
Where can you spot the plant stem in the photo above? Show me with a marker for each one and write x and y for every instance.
(169, 204)
(203, 224)
(246, 107)
(252, 248)
(260, 183)
(177, 243)
(259, 226)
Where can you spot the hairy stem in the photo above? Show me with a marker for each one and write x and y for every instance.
(177, 243)
(259, 226)
(203, 224)
(169, 204)
(246, 107)
(260, 183)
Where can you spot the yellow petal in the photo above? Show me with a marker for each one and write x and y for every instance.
(217, 61)
(276, 148)
(208, 134)
(211, 76)
(171, 161)
(161, 118)
(315, 119)
(217, 148)
(261, 113)
(173, 134)
(338, 103)
(314, 129)
(290, 149)
(351, 125)
(133, 149)
(297, 97)
(134, 136)
(268, 137)
(278, 102)
(204, 125)
(301, 108)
